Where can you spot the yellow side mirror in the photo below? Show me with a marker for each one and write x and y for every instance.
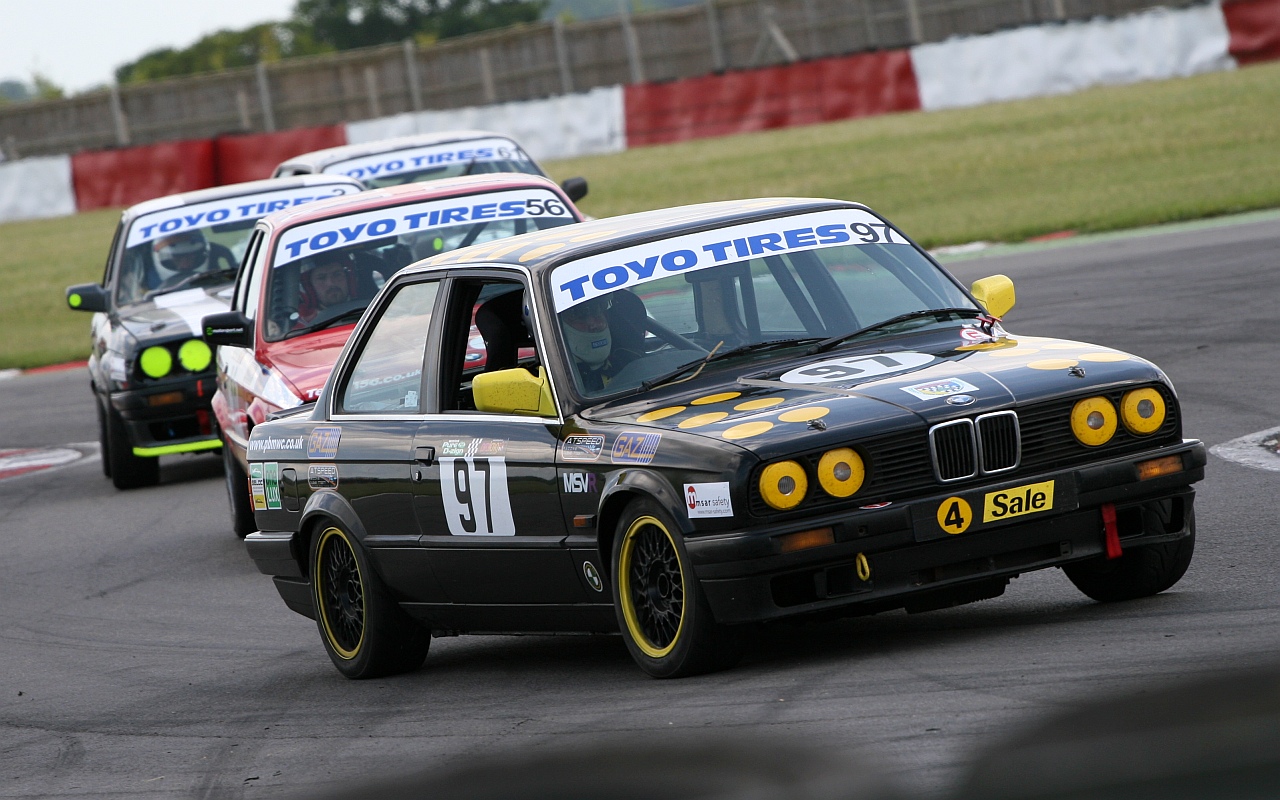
(995, 293)
(513, 391)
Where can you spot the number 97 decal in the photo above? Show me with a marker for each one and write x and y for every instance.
(476, 501)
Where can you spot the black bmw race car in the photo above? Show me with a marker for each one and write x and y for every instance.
(697, 419)
(173, 260)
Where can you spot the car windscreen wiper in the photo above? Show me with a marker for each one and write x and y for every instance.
(714, 355)
(826, 344)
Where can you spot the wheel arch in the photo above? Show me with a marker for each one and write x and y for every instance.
(323, 508)
(620, 491)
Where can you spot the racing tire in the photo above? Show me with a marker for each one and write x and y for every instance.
(242, 522)
(662, 611)
(104, 442)
(1139, 572)
(127, 470)
(366, 634)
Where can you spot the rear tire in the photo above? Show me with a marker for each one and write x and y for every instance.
(242, 522)
(364, 631)
(1139, 572)
(127, 470)
(662, 612)
(104, 442)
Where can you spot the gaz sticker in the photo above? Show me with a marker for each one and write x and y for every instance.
(476, 499)
(1018, 501)
(955, 515)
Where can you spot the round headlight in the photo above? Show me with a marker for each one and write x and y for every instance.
(783, 485)
(194, 355)
(1093, 421)
(1142, 411)
(841, 472)
(156, 362)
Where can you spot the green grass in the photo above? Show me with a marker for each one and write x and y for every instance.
(1099, 160)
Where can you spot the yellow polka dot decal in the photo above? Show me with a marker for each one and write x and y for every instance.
(1053, 363)
(716, 398)
(757, 404)
(703, 419)
(748, 429)
(804, 414)
(1104, 357)
(661, 413)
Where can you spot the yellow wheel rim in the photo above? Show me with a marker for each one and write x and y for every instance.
(338, 588)
(651, 587)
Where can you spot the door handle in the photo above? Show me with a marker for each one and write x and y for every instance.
(425, 455)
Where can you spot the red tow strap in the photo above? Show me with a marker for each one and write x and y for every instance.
(1112, 531)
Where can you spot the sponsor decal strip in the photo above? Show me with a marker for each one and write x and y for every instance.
(244, 208)
(428, 156)
(708, 500)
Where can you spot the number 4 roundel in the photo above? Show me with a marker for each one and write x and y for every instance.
(954, 515)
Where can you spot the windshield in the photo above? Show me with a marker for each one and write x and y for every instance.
(634, 317)
(324, 273)
(433, 162)
(201, 244)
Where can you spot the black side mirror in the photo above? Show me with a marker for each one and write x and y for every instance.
(230, 328)
(576, 188)
(87, 297)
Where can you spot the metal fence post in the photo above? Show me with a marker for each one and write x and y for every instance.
(562, 56)
(718, 61)
(371, 91)
(118, 117)
(1059, 10)
(242, 106)
(264, 97)
(811, 26)
(411, 74)
(873, 38)
(632, 43)
(486, 76)
(913, 22)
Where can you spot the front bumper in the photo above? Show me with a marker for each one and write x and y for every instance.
(900, 556)
(171, 416)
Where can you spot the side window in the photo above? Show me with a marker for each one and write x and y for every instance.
(387, 376)
(246, 273)
(485, 332)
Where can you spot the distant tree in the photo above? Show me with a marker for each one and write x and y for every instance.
(225, 49)
(12, 91)
(472, 16)
(345, 24)
(46, 89)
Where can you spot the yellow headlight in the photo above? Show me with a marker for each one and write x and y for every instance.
(1093, 421)
(156, 361)
(194, 355)
(783, 485)
(841, 472)
(1143, 411)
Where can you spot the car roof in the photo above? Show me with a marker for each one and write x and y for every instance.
(544, 250)
(319, 159)
(234, 190)
(409, 193)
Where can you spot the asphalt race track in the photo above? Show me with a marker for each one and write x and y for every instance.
(143, 654)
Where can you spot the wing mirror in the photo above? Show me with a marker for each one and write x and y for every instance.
(995, 294)
(87, 297)
(575, 188)
(513, 391)
(230, 328)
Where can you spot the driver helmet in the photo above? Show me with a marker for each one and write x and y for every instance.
(586, 331)
(182, 252)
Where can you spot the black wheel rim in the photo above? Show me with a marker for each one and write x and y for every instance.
(656, 586)
(341, 594)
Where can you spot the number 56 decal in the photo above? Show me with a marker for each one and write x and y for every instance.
(476, 502)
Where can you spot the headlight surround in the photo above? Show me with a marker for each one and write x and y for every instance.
(783, 485)
(841, 472)
(194, 355)
(156, 361)
(1142, 411)
(1093, 421)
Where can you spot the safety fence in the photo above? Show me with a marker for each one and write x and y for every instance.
(1024, 62)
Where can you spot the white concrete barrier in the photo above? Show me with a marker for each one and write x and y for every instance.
(585, 123)
(1060, 58)
(35, 188)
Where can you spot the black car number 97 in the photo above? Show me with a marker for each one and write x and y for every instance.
(476, 501)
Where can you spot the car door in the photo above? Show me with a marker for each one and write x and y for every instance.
(487, 498)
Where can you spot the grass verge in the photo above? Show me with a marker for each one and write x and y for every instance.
(1105, 159)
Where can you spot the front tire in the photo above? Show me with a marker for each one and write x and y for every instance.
(242, 522)
(104, 441)
(1139, 572)
(127, 470)
(662, 612)
(364, 631)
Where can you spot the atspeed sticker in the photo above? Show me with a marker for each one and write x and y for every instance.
(322, 476)
(708, 500)
(476, 499)
(632, 447)
(582, 447)
(323, 442)
(939, 388)
(413, 159)
(856, 368)
(244, 208)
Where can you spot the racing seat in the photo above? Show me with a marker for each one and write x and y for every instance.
(501, 323)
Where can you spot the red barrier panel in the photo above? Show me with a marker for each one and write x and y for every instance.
(1255, 30)
(772, 97)
(108, 178)
(255, 156)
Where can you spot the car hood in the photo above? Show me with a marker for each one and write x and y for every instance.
(305, 362)
(815, 401)
(175, 314)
